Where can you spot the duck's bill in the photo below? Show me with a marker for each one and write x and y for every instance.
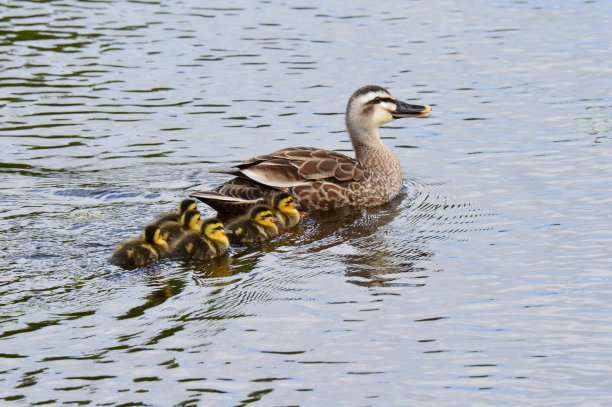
(406, 110)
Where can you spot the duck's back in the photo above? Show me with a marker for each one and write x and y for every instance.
(133, 253)
(245, 231)
(171, 231)
(192, 246)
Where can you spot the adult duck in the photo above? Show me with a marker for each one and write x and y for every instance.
(320, 179)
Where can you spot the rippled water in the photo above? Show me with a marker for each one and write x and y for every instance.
(486, 282)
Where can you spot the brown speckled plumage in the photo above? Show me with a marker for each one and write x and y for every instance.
(322, 179)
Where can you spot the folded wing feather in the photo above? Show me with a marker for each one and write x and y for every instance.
(298, 165)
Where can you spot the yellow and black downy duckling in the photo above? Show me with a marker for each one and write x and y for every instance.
(286, 210)
(172, 231)
(259, 226)
(184, 206)
(140, 252)
(210, 242)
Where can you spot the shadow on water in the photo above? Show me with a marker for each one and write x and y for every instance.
(386, 245)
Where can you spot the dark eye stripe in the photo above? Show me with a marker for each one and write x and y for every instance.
(380, 100)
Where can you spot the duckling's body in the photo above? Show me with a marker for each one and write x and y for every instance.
(259, 226)
(140, 252)
(208, 243)
(285, 211)
(172, 231)
(184, 206)
(322, 179)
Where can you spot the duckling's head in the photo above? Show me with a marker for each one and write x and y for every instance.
(284, 202)
(191, 220)
(262, 215)
(372, 106)
(187, 205)
(213, 229)
(152, 235)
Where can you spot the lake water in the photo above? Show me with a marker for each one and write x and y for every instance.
(488, 281)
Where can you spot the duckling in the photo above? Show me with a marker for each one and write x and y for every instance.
(208, 243)
(184, 206)
(285, 210)
(259, 226)
(172, 231)
(140, 252)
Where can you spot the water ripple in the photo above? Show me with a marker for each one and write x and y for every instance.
(488, 272)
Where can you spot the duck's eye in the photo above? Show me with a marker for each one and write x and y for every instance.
(377, 100)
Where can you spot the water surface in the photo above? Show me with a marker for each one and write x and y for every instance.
(486, 282)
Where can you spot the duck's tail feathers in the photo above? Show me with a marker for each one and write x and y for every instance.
(225, 170)
(226, 206)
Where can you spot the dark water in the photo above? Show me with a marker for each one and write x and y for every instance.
(487, 282)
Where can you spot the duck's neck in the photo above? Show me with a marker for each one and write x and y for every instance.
(370, 151)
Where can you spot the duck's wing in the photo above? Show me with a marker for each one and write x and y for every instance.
(187, 247)
(241, 231)
(144, 255)
(295, 166)
(171, 231)
(234, 197)
(305, 170)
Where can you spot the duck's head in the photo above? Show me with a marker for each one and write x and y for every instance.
(192, 220)
(372, 106)
(214, 230)
(262, 215)
(187, 205)
(284, 202)
(153, 236)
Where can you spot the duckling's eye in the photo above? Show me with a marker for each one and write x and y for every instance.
(377, 100)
